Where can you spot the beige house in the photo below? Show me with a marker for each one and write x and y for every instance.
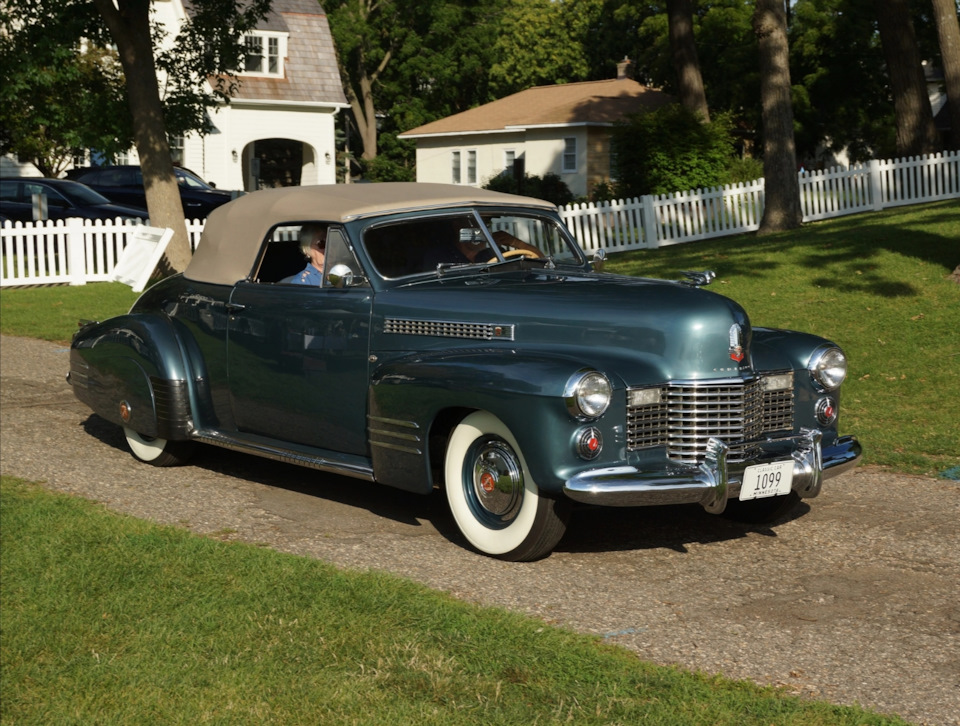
(563, 129)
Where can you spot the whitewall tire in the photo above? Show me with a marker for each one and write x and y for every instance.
(155, 451)
(494, 501)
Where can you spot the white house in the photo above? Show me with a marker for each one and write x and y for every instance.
(562, 129)
(279, 128)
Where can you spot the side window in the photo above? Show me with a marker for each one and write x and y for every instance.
(53, 197)
(8, 191)
(115, 178)
(341, 261)
(282, 257)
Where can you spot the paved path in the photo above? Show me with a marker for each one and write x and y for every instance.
(853, 600)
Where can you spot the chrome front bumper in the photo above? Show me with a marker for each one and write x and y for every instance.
(712, 482)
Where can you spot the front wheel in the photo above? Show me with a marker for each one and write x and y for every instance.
(157, 452)
(493, 499)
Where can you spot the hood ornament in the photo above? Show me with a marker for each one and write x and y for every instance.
(698, 279)
(736, 343)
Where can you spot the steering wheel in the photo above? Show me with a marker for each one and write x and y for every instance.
(522, 253)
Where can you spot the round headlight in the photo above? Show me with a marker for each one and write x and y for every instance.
(588, 394)
(828, 366)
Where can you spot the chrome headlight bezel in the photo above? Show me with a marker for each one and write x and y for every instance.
(828, 367)
(588, 394)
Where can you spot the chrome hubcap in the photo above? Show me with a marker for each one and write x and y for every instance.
(497, 480)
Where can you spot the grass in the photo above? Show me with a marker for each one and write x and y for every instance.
(112, 620)
(877, 285)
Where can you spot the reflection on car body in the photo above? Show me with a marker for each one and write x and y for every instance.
(520, 383)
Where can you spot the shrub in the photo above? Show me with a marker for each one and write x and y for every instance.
(549, 187)
(671, 150)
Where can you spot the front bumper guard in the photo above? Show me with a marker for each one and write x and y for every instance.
(712, 482)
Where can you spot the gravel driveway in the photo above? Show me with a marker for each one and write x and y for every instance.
(855, 600)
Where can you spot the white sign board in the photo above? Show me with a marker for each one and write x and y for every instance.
(141, 256)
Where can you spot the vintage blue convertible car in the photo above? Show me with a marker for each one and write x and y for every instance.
(462, 340)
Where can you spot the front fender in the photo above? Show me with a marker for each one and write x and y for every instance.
(524, 390)
(131, 371)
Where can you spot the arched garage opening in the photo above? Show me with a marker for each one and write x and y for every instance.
(269, 163)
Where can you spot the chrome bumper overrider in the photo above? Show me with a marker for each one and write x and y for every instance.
(712, 483)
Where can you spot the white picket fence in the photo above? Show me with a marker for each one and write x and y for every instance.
(78, 251)
(657, 221)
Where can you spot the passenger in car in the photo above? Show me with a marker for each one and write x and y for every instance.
(313, 244)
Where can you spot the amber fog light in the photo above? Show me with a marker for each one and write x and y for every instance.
(589, 444)
(826, 411)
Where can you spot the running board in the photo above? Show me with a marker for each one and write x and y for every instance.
(278, 451)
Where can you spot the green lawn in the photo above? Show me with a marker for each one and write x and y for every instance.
(112, 620)
(877, 285)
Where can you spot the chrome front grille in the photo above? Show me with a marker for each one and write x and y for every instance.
(689, 414)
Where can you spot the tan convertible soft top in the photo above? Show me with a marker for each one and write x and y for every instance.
(234, 232)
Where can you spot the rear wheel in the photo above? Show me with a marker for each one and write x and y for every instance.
(493, 499)
(157, 452)
(761, 511)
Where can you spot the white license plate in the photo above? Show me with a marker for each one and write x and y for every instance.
(766, 480)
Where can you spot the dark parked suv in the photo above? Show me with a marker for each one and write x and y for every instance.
(124, 184)
(64, 199)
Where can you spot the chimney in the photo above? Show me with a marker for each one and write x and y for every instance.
(625, 69)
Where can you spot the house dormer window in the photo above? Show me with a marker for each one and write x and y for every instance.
(263, 53)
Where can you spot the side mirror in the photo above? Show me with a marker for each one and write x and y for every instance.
(599, 260)
(340, 276)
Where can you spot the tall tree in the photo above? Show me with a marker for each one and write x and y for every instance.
(948, 31)
(916, 133)
(368, 35)
(684, 50)
(782, 186)
(128, 22)
(841, 92)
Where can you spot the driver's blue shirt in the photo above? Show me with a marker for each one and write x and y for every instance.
(309, 275)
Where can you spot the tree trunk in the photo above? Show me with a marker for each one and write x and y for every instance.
(685, 61)
(948, 31)
(782, 195)
(916, 133)
(129, 25)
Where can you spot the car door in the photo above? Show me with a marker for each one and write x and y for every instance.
(297, 360)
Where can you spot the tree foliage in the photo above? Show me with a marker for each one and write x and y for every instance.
(57, 97)
(671, 149)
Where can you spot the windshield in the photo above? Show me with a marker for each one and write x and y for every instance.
(80, 195)
(186, 179)
(424, 244)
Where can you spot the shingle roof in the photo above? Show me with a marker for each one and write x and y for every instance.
(591, 102)
(310, 68)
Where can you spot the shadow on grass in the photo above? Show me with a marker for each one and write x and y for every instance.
(591, 529)
(848, 249)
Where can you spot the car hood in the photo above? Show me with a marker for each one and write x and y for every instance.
(679, 332)
(109, 211)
